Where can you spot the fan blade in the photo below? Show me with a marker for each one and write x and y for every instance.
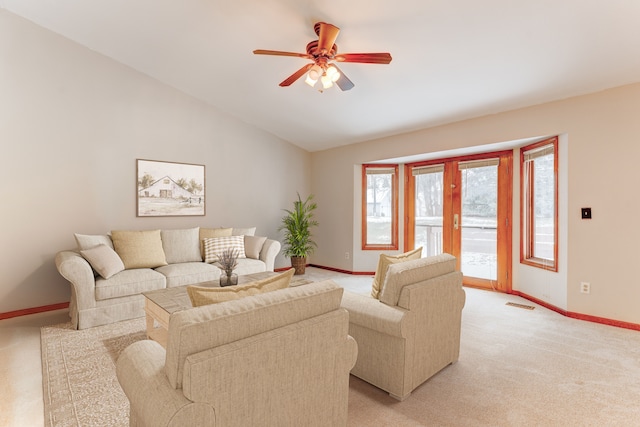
(327, 35)
(295, 76)
(343, 82)
(368, 58)
(280, 53)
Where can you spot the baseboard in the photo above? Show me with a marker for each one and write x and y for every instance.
(579, 316)
(337, 270)
(33, 310)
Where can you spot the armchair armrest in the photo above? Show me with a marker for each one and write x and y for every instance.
(268, 253)
(371, 313)
(140, 371)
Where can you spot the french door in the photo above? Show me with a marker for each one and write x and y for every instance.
(462, 206)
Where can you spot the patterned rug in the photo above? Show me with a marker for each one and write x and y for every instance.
(80, 387)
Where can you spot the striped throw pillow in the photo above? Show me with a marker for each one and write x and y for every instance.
(214, 246)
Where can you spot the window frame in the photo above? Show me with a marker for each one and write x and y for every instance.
(394, 207)
(527, 209)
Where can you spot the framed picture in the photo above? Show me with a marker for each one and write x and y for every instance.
(170, 189)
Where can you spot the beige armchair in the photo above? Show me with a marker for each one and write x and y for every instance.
(280, 358)
(413, 331)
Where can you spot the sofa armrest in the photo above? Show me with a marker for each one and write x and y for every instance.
(442, 291)
(268, 253)
(73, 267)
(153, 402)
(371, 313)
(352, 352)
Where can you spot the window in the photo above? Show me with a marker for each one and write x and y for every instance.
(539, 204)
(379, 207)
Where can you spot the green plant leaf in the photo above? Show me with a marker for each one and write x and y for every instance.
(297, 226)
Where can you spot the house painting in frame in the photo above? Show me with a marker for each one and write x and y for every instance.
(170, 189)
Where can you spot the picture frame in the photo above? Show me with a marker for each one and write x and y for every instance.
(169, 189)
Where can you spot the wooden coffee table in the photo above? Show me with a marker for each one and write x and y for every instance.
(161, 303)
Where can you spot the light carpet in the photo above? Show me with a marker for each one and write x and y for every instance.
(517, 368)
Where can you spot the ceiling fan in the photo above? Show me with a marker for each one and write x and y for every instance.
(324, 53)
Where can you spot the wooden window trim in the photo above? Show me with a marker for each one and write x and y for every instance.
(527, 228)
(394, 209)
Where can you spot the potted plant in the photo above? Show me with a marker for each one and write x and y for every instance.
(297, 224)
(227, 261)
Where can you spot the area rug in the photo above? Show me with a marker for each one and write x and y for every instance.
(80, 387)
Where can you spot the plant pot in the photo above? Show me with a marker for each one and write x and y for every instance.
(228, 280)
(299, 263)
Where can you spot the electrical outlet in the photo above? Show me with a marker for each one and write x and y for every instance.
(585, 288)
(346, 255)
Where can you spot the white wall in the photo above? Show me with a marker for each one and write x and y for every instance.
(600, 133)
(73, 123)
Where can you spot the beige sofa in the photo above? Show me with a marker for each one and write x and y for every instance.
(413, 331)
(133, 262)
(280, 358)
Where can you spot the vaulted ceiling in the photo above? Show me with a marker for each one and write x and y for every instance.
(452, 59)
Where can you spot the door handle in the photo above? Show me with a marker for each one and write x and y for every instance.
(455, 221)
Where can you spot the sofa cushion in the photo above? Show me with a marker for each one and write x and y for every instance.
(214, 246)
(88, 241)
(188, 273)
(181, 245)
(129, 282)
(249, 265)
(253, 246)
(383, 264)
(104, 260)
(407, 273)
(139, 249)
(249, 231)
(206, 295)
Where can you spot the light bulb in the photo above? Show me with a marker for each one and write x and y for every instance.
(315, 72)
(326, 82)
(333, 73)
(311, 82)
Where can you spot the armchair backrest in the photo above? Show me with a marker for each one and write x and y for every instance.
(198, 329)
(406, 273)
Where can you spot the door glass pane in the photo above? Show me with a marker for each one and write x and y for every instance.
(479, 221)
(428, 212)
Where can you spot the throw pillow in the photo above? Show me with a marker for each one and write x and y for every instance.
(253, 246)
(214, 246)
(181, 245)
(406, 273)
(383, 265)
(88, 241)
(139, 249)
(203, 296)
(251, 231)
(104, 260)
(212, 232)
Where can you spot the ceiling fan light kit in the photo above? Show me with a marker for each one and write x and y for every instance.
(322, 52)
